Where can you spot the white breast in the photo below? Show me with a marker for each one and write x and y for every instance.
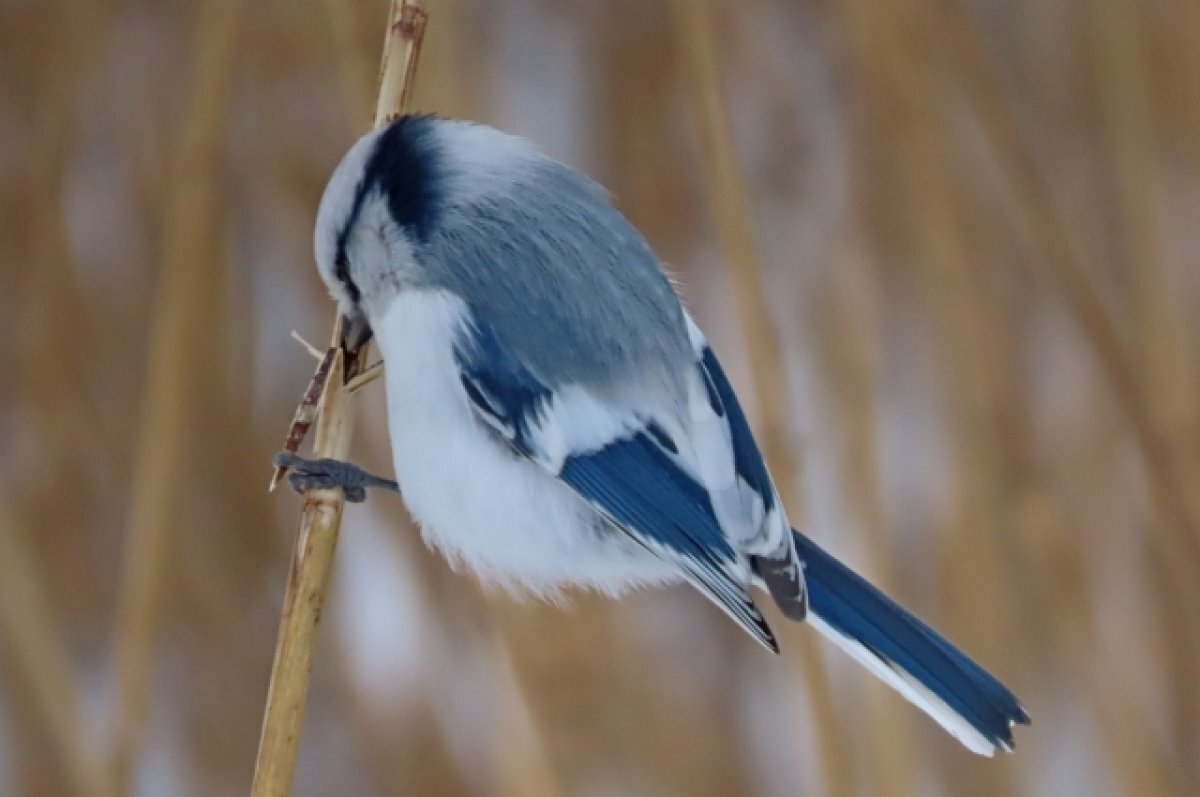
(481, 505)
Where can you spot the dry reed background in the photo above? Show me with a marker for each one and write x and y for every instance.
(975, 229)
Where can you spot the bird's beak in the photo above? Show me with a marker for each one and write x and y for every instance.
(355, 332)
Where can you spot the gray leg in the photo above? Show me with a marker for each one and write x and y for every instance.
(330, 473)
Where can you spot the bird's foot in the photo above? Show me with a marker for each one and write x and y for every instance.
(324, 474)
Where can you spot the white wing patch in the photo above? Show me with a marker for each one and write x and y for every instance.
(739, 506)
(576, 422)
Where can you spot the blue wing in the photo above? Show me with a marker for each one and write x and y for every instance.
(772, 552)
(627, 467)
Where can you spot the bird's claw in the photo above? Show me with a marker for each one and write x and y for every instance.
(326, 474)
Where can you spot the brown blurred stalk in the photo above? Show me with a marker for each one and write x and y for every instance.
(53, 367)
(1067, 264)
(1154, 384)
(312, 558)
(852, 360)
(730, 208)
(31, 632)
(179, 322)
(1160, 338)
(353, 62)
(893, 63)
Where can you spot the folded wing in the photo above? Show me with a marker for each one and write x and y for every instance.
(624, 462)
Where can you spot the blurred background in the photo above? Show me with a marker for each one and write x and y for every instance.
(946, 248)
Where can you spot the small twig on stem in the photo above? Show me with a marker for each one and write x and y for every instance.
(308, 347)
(312, 558)
(368, 375)
(306, 410)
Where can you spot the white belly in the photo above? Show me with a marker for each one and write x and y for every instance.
(482, 506)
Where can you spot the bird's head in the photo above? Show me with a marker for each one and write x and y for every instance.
(392, 193)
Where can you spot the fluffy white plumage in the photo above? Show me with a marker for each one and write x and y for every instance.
(479, 503)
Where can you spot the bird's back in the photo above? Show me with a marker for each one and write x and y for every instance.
(572, 289)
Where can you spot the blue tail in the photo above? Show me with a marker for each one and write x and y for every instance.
(909, 655)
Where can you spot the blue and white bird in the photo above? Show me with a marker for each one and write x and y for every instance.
(557, 419)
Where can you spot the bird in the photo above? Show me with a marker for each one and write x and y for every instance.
(557, 419)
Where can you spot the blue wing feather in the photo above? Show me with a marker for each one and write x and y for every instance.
(856, 609)
(780, 569)
(636, 484)
(642, 488)
(501, 388)
(633, 480)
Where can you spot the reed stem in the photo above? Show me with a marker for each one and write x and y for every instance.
(312, 558)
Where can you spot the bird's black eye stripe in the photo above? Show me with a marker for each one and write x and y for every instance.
(341, 269)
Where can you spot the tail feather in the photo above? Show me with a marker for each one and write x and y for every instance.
(907, 654)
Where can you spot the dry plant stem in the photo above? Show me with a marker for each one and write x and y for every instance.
(308, 577)
(306, 411)
(179, 322)
(726, 191)
(368, 375)
(408, 23)
(407, 27)
(30, 632)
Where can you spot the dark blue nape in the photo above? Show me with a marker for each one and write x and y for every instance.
(405, 166)
(850, 605)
